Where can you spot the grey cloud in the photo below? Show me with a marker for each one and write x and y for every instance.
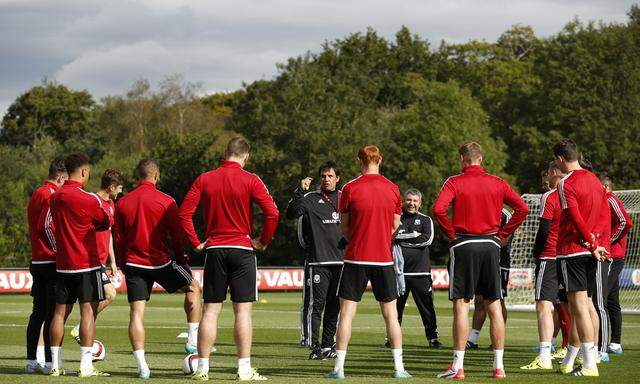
(104, 46)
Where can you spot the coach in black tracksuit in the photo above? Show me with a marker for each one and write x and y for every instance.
(414, 237)
(319, 235)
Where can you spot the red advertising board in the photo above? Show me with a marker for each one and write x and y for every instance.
(269, 279)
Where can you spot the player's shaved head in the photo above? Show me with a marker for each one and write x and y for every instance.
(56, 168)
(237, 147)
(146, 169)
(369, 154)
(471, 152)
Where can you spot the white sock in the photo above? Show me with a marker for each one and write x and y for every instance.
(570, 357)
(244, 365)
(340, 357)
(497, 359)
(40, 354)
(614, 346)
(545, 352)
(193, 333)
(86, 359)
(589, 351)
(203, 365)
(473, 336)
(140, 360)
(56, 357)
(398, 365)
(458, 360)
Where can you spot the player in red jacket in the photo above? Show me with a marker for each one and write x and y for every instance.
(145, 219)
(620, 225)
(370, 211)
(226, 195)
(111, 186)
(77, 215)
(583, 239)
(476, 240)
(43, 271)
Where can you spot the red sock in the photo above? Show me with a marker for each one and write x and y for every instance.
(565, 322)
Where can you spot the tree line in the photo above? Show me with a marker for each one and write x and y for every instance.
(418, 102)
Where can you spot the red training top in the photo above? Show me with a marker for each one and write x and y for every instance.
(371, 201)
(478, 198)
(226, 194)
(77, 215)
(620, 225)
(144, 218)
(585, 221)
(103, 238)
(550, 210)
(42, 246)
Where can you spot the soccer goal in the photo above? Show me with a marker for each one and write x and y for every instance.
(522, 265)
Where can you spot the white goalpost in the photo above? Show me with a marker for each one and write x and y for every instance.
(521, 295)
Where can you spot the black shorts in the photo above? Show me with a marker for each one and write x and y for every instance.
(140, 281)
(578, 274)
(230, 268)
(82, 286)
(546, 280)
(354, 279)
(474, 268)
(504, 280)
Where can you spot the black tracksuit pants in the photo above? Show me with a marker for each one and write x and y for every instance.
(613, 300)
(320, 295)
(421, 289)
(44, 303)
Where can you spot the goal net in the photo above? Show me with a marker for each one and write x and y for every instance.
(521, 294)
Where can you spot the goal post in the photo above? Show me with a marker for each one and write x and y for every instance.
(521, 295)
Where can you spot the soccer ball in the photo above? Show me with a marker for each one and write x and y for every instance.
(190, 364)
(98, 351)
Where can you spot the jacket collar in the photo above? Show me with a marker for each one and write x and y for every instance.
(230, 164)
(473, 169)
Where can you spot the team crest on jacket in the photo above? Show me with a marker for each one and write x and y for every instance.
(335, 215)
(416, 222)
(316, 279)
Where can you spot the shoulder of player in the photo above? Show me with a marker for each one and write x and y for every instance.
(425, 216)
(312, 193)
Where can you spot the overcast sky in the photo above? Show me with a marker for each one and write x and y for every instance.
(105, 45)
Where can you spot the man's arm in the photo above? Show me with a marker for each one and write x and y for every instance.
(298, 204)
(112, 256)
(541, 237)
(624, 220)
(46, 227)
(175, 232)
(187, 209)
(260, 194)
(101, 219)
(344, 225)
(520, 212)
(119, 239)
(418, 239)
(444, 199)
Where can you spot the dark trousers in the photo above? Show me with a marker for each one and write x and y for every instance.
(44, 303)
(599, 298)
(320, 295)
(613, 300)
(420, 288)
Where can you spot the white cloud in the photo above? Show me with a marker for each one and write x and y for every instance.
(103, 46)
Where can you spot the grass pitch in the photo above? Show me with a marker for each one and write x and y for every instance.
(276, 354)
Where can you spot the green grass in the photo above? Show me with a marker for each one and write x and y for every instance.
(276, 353)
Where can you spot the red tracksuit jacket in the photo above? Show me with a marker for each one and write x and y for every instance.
(226, 194)
(42, 246)
(77, 214)
(144, 219)
(477, 198)
(620, 225)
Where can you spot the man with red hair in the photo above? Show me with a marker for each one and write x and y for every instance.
(370, 208)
